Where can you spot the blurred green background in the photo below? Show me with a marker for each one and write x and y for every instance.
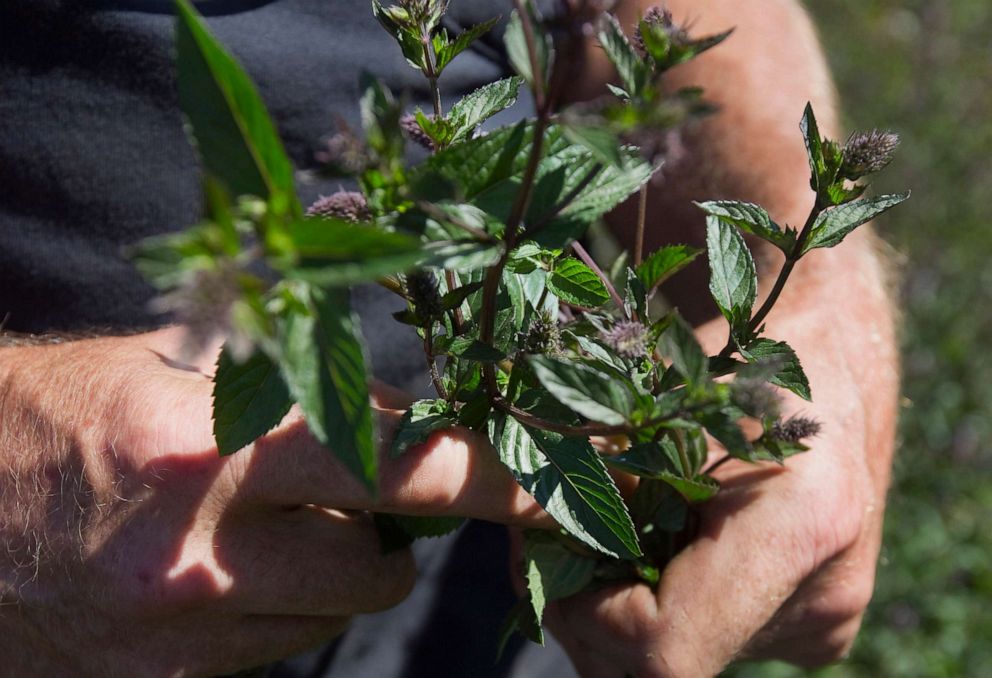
(924, 68)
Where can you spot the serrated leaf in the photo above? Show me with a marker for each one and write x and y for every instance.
(693, 490)
(516, 46)
(576, 283)
(482, 104)
(728, 433)
(789, 372)
(250, 399)
(235, 137)
(814, 146)
(733, 279)
(601, 142)
(631, 68)
(835, 223)
(687, 356)
(590, 392)
(647, 460)
(403, 32)
(323, 363)
(447, 51)
(473, 349)
(663, 264)
(553, 571)
(422, 419)
(752, 219)
(569, 480)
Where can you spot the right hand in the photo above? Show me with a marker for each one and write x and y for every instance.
(131, 548)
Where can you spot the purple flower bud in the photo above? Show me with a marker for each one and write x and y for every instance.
(628, 338)
(795, 429)
(543, 336)
(347, 205)
(421, 288)
(659, 18)
(868, 152)
(343, 154)
(416, 134)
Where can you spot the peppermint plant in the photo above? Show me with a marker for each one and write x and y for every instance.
(524, 336)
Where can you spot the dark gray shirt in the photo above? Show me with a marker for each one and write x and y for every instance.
(93, 157)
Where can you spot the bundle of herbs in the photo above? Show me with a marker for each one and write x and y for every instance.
(525, 337)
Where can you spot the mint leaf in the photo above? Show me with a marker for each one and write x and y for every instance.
(733, 280)
(663, 264)
(648, 460)
(814, 148)
(694, 490)
(553, 570)
(835, 223)
(418, 423)
(631, 68)
(602, 143)
(516, 46)
(234, 135)
(445, 51)
(250, 399)
(482, 104)
(568, 479)
(576, 283)
(724, 428)
(399, 24)
(789, 372)
(590, 392)
(681, 346)
(323, 363)
(752, 219)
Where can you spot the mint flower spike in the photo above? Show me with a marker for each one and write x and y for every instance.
(868, 152)
(543, 335)
(412, 129)
(348, 205)
(421, 288)
(628, 338)
(796, 429)
(658, 17)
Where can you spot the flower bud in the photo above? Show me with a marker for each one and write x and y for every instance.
(347, 205)
(755, 398)
(661, 23)
(421, 288)
(867, 152)
(628, 338)
(543, 336)
(416, 134)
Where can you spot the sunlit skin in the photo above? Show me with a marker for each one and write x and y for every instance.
(132, 549)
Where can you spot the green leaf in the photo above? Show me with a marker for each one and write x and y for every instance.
(473, 349)
(631, 68)
(590, 392)
(648, 460)
(680, 344)
(482, 104)
(725, 429)
(733, 280)
(835, 223)
(789, 372)
(569, 480)
(323, 363)
(576, 283)
(250, 399)
(397, 23)
(694, 490)
(663, 264)
(553, 570)
(336, 252)
(234, 135)
(446, 51)
(516, 46)
(752, 219)
(397, 532)
(418, 423)
(601, 142)
(814, 147)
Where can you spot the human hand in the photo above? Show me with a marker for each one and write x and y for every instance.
(784, 562)
(131, 548)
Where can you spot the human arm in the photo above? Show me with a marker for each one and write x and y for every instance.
(131, 548)
(784, 563)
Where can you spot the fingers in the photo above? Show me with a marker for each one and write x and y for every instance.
(308, 561)
(455, 473)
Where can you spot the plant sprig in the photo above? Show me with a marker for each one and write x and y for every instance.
(541, 348)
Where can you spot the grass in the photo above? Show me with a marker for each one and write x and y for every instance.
(924, 69)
